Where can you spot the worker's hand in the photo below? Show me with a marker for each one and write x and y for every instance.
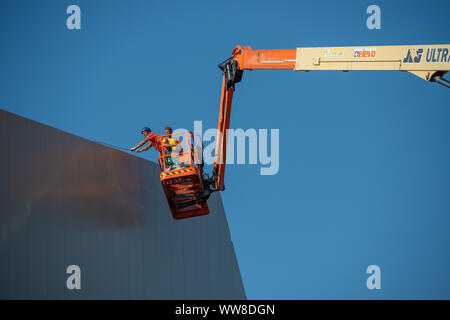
(137, 151)
(133, 149)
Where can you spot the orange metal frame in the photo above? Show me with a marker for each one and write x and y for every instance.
(183, 186)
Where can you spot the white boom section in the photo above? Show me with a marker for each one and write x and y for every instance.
(429, 62)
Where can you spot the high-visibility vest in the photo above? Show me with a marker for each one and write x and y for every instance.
(172, 142)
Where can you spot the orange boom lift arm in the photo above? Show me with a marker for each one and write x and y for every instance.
(244, 58)
(429, 62)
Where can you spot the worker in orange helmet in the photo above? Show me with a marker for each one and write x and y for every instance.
(149, 137)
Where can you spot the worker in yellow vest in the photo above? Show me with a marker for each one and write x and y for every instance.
(171, 148)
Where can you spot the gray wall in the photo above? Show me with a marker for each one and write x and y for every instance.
(66, 200)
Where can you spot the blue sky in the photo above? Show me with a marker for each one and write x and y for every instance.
(364, 156)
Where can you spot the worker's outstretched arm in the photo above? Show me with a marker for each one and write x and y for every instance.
(140, 145)
(145, 148)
